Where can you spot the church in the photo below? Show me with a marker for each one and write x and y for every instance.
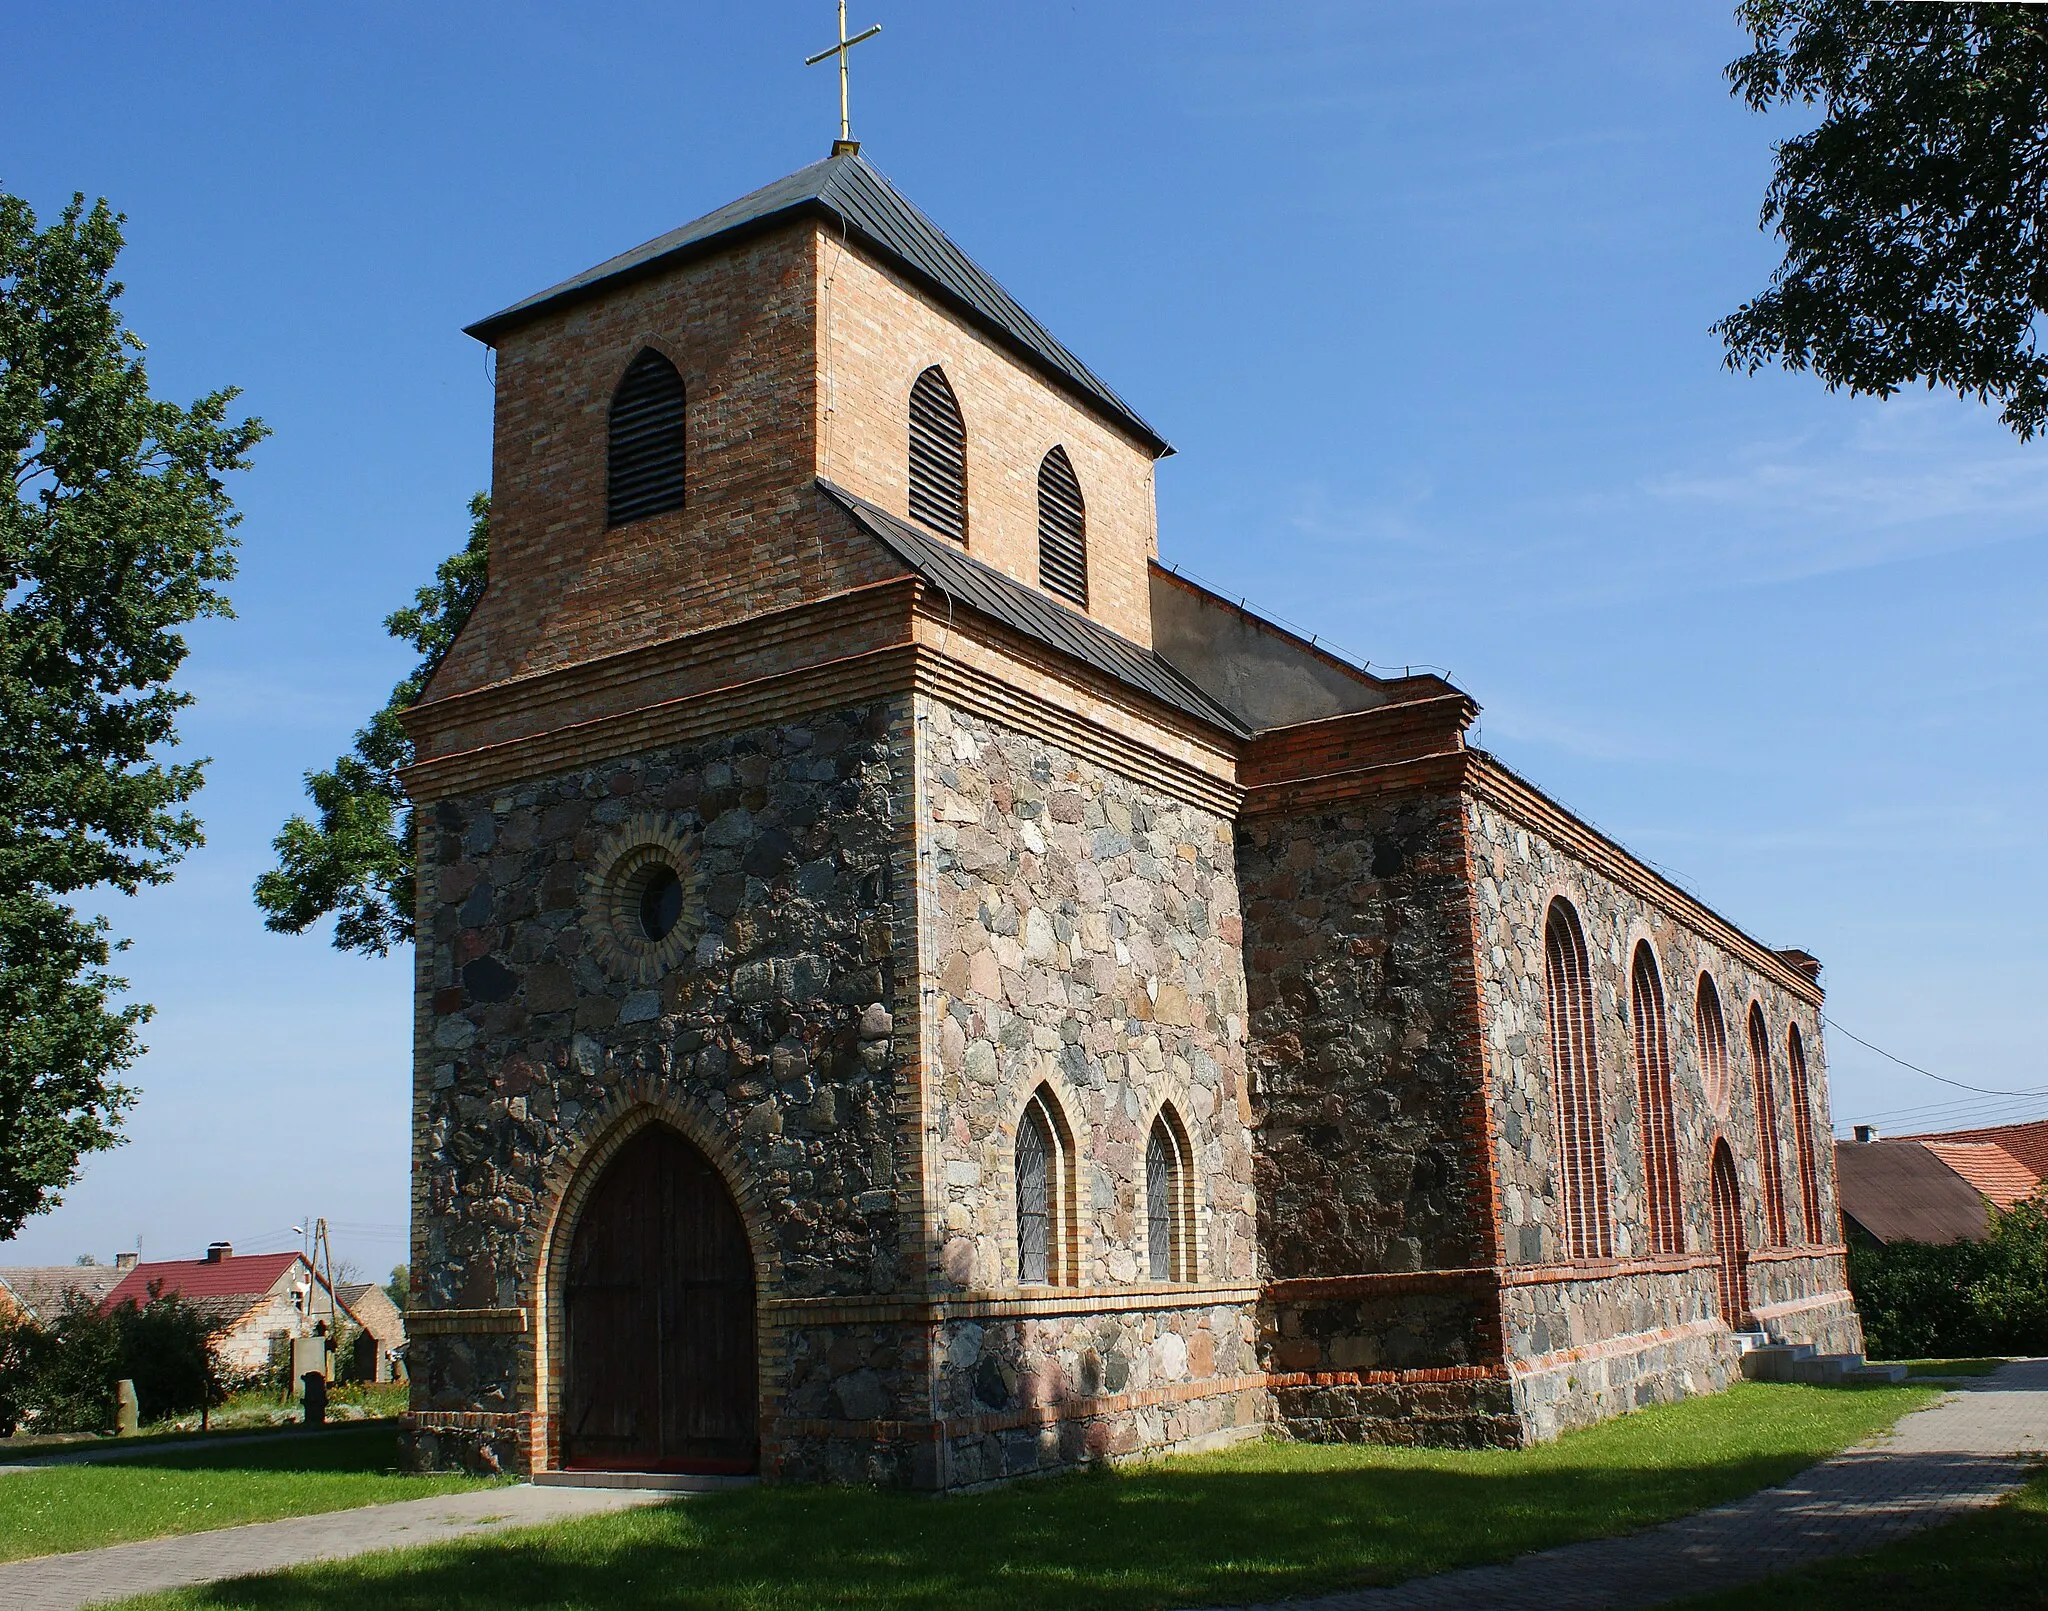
(912, 991)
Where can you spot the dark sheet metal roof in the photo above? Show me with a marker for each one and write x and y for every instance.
(1898, 1191)
(851, 194)
(1037, 615)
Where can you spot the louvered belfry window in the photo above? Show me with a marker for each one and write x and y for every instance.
(644, 474)
(938, 457)
(1062, 530)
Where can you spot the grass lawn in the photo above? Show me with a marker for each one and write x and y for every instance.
(82, 1506)
(1262, 1521)
(1992, 1559)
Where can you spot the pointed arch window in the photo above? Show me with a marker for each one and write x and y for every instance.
(1770, 1166)
(645, 455)
(1062, 529)
(1802, 1135)
(1169, 1202)
(1731, 1253)
(1582, 1136)
(1711, 1031)
(938, 457)
(1653, 1091)
(1047, 1242)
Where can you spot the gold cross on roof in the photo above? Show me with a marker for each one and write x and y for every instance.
(846, 145)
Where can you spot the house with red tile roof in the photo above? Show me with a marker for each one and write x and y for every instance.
(2027, 1144)
(257, 1298)
(1987, 1166)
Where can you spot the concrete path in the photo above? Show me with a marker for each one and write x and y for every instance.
(1957, 1455)
(90, 1577)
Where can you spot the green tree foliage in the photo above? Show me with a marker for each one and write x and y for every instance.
(1919, 1300)
(356, 860)
(399, 1288)
(116, 536)
(61, 1376)
(1915, 217)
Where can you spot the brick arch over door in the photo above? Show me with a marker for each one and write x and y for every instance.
(1731, 1250)
(570, 1183)
(1585, 1210)
(1770, 1166)
(1663, 1204)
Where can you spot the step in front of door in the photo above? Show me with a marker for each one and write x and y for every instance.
(682, 1482)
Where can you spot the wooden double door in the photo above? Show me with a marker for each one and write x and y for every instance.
(658, 1356)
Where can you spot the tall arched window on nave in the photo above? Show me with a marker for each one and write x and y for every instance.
(1169, 1205)
(1802, 1135)
(1062, 529)
(938, 457)
(1653, 1094)
(645, 449)
(1046, 1230)
(1710, 1030)
(1770, 1167)
(1586, 1215)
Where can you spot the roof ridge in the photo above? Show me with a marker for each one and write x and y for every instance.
(865, 203)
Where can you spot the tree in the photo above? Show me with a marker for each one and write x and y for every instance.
(1915, 217)
(356, 861)
(399, 1288)
(116, 536)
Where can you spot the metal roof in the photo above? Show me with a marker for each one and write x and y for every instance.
(851, 194)
(1899, 1191)
(981, 587)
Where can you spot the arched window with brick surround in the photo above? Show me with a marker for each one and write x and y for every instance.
(1653, 1093)
(645, 448)
(1062, 529)
(1802, 1135)
(1587, 1218)
(1770, 1167)
(938, 457)
(1047, 1239)
(1710, 1030)
(1169, 1201)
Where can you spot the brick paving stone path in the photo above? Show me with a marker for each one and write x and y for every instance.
(1963, 1452)
(91, 1577)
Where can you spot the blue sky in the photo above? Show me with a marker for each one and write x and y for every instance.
(1420, 293)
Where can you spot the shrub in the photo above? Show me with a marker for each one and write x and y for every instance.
(1919, 1299)
(167, 1351)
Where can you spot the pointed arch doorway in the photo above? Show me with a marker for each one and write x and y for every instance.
(1731, 1251)
(658, 1369)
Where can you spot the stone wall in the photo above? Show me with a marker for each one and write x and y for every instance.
(1080, 934)
(770, 1039)
(1367, 1084)
(1591, 1341)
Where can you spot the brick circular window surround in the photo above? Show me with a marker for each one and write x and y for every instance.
(643, 905)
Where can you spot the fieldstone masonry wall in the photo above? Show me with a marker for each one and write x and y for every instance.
(1080, 933)
(1590, 1347)
(773, 1039)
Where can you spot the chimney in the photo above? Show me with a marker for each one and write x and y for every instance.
(1866, 1132)
(126, 1261)
(216, 1251)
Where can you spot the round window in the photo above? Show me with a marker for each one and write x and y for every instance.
(645, 898)
(661, 901)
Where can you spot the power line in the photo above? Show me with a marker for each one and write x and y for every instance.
(1942, 1079)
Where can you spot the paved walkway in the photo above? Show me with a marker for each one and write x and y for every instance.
(1961, 1453)
(64, 1582)
(93, 1454)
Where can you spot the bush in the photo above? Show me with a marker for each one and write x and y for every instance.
(61, 1377)
(1920, 1300)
